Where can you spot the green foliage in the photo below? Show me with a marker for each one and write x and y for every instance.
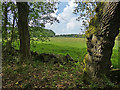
(85, 60)
(8, 26)
(72, 35)
(40, 13)
(86, 11)
(40, 34)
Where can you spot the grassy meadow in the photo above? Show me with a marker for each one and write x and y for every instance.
(75, 47)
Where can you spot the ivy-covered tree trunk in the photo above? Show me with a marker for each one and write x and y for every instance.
(100, 44)
(23, 12)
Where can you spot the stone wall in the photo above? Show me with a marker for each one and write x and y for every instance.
(99, 46)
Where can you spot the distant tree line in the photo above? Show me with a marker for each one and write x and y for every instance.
(71, 35)
(39, 32)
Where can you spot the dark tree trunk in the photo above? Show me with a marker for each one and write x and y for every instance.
(5, 22)
(100, 46)
(23, 12)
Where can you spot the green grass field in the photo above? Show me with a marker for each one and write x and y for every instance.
(75, 47)
(115, 57)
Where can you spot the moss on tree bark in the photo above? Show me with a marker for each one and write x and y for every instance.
(100, 41)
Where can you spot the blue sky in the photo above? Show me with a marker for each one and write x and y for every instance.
(61, 7)
(68, 23)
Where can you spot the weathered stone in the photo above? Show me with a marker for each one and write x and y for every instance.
(54, 58)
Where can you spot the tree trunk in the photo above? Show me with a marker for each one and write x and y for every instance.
(23, 12)
(5, 22)
(99, 47)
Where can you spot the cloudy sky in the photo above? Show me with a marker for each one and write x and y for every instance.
(68, 23)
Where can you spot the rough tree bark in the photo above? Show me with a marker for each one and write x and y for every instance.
(23, 12)
(99, 46)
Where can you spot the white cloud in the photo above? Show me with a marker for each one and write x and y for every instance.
(67, 13)
(73, 26)
(68, 23)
